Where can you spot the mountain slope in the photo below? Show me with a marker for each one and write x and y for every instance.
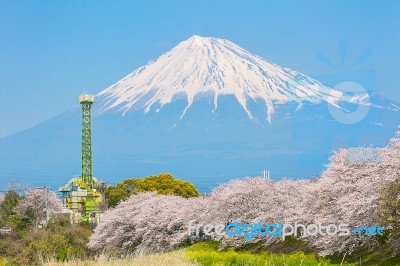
(214, 67)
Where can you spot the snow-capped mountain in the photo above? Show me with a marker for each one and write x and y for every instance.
(215, 67)
(207, 111)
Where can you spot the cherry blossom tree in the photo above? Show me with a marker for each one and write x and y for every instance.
(348, 192)
(40, 204)
(146, 220)
(253, 200)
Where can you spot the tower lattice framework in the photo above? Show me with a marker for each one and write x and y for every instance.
(86, 101)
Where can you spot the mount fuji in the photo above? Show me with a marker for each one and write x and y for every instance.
(211, 67)
(207, 111)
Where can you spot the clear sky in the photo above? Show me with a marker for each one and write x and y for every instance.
(51, 51)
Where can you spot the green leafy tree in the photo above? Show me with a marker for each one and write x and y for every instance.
(164, 184)
(59, 240)
(10, 200)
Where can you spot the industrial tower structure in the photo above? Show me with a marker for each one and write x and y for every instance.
(86, 102)
(84, 195)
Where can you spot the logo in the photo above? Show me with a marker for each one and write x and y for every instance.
(283, 230)
(347, 79)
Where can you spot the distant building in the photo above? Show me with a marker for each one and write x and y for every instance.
(5, 230)
(83, 203)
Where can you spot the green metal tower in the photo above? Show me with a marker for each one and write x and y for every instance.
(86, 101)
(83, 195)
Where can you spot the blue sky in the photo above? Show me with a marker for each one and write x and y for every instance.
(51, 51)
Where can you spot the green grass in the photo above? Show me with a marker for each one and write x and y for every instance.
(207, 254)
(381, 256)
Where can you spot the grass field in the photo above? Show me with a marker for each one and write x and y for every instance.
(167, 259)
(206, 253)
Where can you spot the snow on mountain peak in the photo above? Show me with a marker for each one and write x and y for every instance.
(202, 66)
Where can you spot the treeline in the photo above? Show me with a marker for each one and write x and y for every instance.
(358, 192)
(152, 214)
(41, 232)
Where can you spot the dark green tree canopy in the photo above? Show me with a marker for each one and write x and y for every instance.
(164, 184)
(9, 202)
